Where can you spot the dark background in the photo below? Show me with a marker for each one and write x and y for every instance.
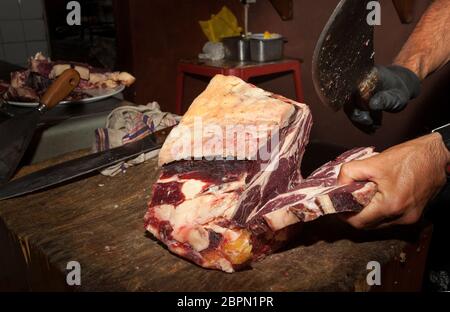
(154, 35)
(92, 42)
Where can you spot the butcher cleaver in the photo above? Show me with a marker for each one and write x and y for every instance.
(343, 62)
(82, 166)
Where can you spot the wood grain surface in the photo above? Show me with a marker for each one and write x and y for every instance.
(98, 221)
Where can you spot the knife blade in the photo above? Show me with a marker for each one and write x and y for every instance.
(17, 132)
(82, 166)
(343, 59)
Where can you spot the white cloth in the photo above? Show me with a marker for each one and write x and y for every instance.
(126, 124)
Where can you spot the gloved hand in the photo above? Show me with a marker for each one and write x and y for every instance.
(396, 86)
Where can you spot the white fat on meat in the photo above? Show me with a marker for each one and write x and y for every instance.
(228, 234)
(282, 217)
(188, 219)
(226, 102)
(192, 188)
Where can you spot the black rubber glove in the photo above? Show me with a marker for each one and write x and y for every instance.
(396, 86)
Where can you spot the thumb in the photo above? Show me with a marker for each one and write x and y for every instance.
(357, 170)
(378, 101)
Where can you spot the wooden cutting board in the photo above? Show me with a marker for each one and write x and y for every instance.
(98, 221)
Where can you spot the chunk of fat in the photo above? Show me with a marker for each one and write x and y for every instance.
(225, 265)
(198, 212)
(192, 188)
(216, 228)
(221, 263)
(226, 233)
(173, 178)
(164, 212)
(280, 218)
(198, 238)
(365, 194)
(326, 204)
(58, 69)
(227, 187)
(203, 209)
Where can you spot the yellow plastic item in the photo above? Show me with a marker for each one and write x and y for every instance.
(223, 24)
(267, 35)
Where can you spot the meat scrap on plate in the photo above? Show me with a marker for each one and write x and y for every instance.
(30, 84)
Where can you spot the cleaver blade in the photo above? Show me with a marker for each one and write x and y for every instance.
(343, 61)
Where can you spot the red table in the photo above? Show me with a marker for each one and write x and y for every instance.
(243, 70)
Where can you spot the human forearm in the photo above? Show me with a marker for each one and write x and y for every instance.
(428, 47)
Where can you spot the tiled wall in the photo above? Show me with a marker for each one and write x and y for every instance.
(23, 30)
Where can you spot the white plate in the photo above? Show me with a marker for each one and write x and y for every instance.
(97, 95)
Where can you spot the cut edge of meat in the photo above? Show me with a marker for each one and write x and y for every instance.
(229, 104)
(317, 195)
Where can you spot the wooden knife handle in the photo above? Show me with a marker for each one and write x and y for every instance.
(405, 10)
(60, 88)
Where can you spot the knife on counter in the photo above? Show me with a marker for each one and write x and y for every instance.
(17, 132)
(82, 166)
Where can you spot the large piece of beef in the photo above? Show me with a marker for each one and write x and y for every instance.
(223, 201)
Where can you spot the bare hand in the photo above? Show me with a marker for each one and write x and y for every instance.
(408, 176)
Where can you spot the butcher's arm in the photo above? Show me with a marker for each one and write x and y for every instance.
(426, 50)
(428, 47)
(408, 176)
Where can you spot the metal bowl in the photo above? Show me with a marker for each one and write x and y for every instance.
(266, 50)
(237, 48)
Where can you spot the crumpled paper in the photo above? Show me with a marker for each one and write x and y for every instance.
(212, 51)
(223, 24)
(126, 124)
